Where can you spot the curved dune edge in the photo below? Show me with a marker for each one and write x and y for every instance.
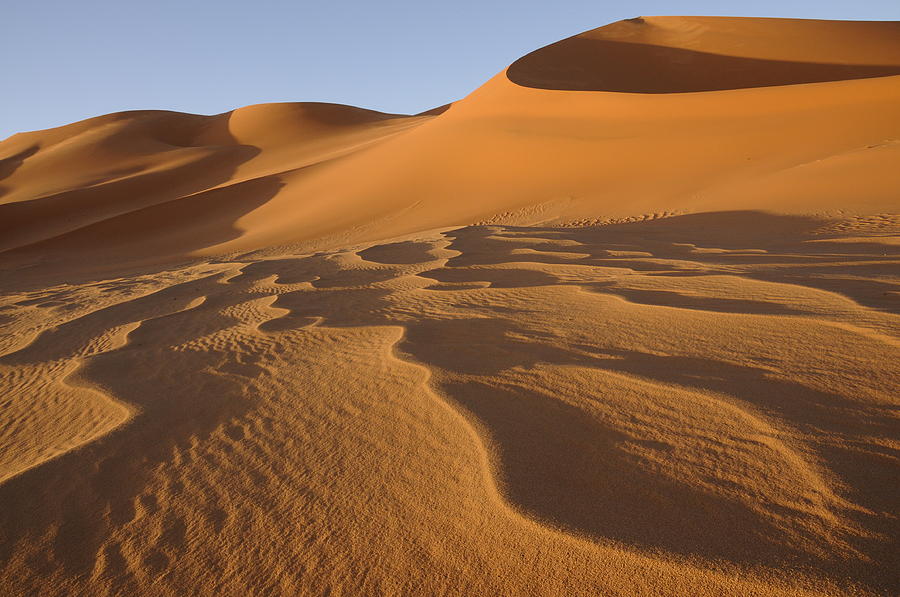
(491, 467)
(659, 55)
(48, 432)
(492, 462)
(70, 411)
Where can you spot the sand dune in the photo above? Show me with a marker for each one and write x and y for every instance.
(684, 55)
(326, 175)
(625, 320)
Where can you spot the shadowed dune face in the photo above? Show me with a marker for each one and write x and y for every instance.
(118, 165)
(586, 64)
(155, 184)
(10, 164)
(658, 55)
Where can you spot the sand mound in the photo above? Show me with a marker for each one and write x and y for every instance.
(624, 321)
(691, 54)
(326, 175)
(163, 181)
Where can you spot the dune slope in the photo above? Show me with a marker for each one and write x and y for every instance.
(672, 115)
(623, 321)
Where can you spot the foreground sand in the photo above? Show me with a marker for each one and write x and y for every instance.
(579, 334)
(659, 407)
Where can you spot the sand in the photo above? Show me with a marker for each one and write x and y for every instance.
(623, 321)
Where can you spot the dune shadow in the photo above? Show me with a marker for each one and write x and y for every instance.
(163, 232)
(138, 213)
(10, 164)
(669, 298)
(585, 64)
(496, 278)
(79, 498)
(407, 252)
(752, 244)
(568, 468)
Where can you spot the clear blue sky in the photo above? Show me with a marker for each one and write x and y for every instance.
(64, 60)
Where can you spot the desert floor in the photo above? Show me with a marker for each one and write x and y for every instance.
(683, 405)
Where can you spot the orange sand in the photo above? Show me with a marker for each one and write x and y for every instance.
(624, 321)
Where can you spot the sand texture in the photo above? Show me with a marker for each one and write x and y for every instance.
(623, 321)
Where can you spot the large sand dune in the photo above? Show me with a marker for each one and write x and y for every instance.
(623, 321)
